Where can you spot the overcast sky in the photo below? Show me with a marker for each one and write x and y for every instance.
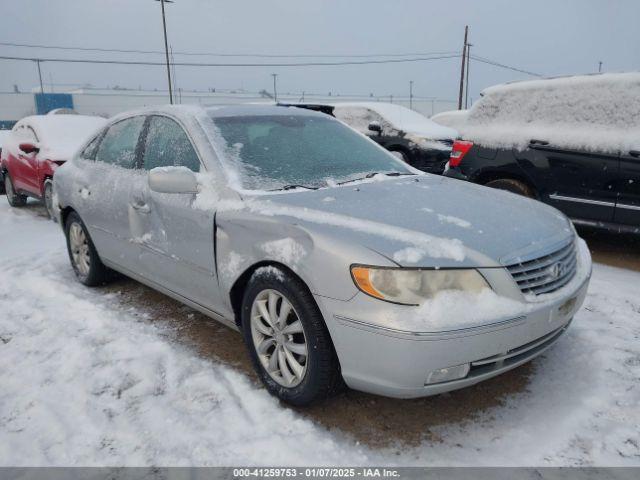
(550, 37)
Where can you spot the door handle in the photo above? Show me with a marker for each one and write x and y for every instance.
(634, 153)
(141, 207)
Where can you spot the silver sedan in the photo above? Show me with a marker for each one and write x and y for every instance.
(338, 262)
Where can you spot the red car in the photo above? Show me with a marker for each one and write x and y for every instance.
(36, 146)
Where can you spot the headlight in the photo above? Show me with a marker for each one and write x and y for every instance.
(414, 287)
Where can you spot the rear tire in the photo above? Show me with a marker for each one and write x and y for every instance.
(14, 199)
(84, 258)
(513, 186)
(48, 198)
(291, 352)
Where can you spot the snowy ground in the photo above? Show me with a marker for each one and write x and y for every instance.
(88, 380)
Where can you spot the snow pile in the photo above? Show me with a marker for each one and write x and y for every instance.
(392, 117)
(86, 382)
(594, 113)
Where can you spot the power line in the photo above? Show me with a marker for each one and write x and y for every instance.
(194, 64)
(216, 54)
(502, 65)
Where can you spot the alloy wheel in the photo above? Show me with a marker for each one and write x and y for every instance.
(79, 246)
(278, 338)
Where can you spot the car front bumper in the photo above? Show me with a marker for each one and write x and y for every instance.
(396, 363)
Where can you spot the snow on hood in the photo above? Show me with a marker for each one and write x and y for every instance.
(453, 118)
(428, 220)
(592, 113)
(61, 135)
(399, 118)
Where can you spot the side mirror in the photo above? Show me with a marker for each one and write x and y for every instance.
(375, 127)
(29, 148)
(173, 180)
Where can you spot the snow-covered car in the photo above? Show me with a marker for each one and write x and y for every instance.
(571, 142)
(409, 135)
(452, 118)
(336, 260)
(36, 146)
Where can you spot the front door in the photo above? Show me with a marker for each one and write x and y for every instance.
(628, 206)
(581, 184)
(25, 169)
(176, 240)
(104, 187)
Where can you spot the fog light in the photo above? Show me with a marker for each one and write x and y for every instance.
(448, 374)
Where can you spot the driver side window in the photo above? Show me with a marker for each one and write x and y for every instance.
(119, 145)
(168, 145)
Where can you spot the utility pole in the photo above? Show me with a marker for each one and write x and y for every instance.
(40, 76)
(275, 87)
(466, 89)
(600, 66)
(166, 48)
(464, 58)
(411, 94)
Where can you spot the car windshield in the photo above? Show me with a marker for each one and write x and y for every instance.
(273, 152)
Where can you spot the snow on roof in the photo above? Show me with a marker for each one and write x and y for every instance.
(400, 118)
(452, 118)
(61, 135)
(590, 112)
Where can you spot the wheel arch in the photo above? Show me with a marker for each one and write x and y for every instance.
(486, 176)
(64, 214)
(236, 293)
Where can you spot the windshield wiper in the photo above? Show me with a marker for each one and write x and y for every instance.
(373, 174)
(293, 187)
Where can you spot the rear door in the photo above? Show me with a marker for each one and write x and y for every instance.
(103, 190)
(176, 240)
(628, 206)
(580, 184)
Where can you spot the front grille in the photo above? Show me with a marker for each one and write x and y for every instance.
(546, 274)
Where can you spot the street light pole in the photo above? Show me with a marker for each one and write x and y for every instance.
(275, 87)
(166, 48)
(411, 94)
(40, 76)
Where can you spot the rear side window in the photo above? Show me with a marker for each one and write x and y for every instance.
(26, 134)
(168, 145)
(89, 153)
(118, 147)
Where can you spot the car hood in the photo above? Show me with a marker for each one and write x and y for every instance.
(428, 220)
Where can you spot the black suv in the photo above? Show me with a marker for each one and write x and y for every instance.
(565, 142)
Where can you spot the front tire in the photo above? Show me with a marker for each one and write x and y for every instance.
(14, 198)
(287, 339)
(513, 186)
(84, 258)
